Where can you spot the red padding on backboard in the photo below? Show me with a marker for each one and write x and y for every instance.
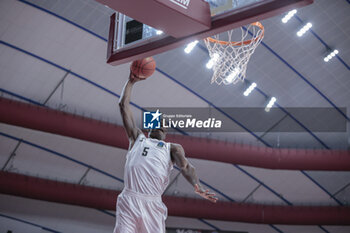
(177, 18)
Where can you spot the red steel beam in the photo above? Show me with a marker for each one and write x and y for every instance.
(65, 124)
(73, 194)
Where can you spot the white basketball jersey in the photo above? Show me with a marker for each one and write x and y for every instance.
(148, 166)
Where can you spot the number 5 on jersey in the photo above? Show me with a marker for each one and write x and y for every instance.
(145, 151)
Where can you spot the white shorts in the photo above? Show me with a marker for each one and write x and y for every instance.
(139, 213)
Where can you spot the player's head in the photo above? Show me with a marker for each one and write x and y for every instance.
(159, 134)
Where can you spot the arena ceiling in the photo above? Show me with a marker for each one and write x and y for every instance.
(52, 55)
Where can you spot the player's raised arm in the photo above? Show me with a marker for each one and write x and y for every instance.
(188, 171)
(124, 106)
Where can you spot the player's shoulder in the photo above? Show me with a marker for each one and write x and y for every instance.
(140, 134)
(139, 138)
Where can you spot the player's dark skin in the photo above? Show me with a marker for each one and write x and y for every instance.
(176, 150)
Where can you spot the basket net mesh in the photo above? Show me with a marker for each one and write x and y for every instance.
(229, 59)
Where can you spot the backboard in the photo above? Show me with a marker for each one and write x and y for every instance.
(130, 39)
(218, 7)
(130, 33)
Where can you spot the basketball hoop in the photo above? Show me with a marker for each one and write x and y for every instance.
(229, 58)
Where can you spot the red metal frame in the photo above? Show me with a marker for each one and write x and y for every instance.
(219, 24)
(110, 46)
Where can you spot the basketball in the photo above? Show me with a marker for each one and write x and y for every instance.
(143, 68)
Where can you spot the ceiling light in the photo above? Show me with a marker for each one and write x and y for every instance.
(159, 32)
(304, 29)
(190, 46)
(288, 16)
(231, 77)
(270, 104)
(212, 61)
(249, 89)
(330, 55)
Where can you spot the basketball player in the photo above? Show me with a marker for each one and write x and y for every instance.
(149, 162)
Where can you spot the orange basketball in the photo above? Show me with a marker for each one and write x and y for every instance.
(143, 68)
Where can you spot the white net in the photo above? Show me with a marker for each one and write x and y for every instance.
(229, 59)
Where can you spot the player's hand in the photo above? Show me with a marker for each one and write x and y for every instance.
(133, 78)
(205, 193)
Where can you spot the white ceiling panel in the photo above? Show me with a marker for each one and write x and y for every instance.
(37, 162)
(186, 223)
(338, 229)
(164, 93)
(15, 226)
(7, 147)
(22, 74)
(292, 185)
(236, 137)
(96, 179)
(106, 158)
(47, 30)
(344, 195)
(87, 100)
(12, 7)
(304, 140)
(299, 52)
(263, 196)
(242, 227)
(181, 187)
(331, 18)
(226, 178)
(4, 24)
(59, 217)
(299, 229)
(332, 181)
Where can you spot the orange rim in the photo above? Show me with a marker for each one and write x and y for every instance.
(234, 43)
